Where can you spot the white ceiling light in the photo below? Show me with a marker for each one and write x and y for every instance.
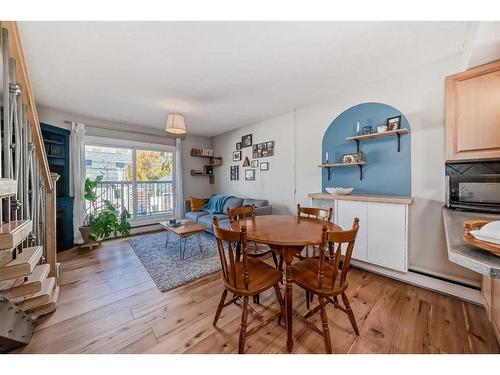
(175, 124)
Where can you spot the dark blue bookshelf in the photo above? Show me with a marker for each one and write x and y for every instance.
(56, 142)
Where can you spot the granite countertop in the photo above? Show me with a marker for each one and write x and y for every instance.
(363, 198)
(468, 256)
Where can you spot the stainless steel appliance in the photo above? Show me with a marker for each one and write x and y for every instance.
(473, 186)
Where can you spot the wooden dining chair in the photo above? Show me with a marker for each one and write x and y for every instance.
(312, 251)
(244, 277)
(255, 250)
(326, 277)
(314, 213)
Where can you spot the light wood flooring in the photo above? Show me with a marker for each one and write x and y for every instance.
(109, 304)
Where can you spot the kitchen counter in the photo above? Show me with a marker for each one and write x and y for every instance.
(468, 256)
(363, 198)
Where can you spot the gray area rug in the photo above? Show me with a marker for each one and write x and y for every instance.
(165, 267)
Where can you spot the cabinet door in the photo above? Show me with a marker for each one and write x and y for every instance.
(387, 235)
(473, 113)
(495, 306)
(346, 212)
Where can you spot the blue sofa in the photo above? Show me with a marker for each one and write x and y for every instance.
(262, 207)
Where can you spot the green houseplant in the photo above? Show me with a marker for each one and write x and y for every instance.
(102, 219)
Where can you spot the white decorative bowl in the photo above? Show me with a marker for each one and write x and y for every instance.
(339, 190)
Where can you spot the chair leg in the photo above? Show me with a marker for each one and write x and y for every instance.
(326, 330)
(280, 301)
(350, 314)
(256, 299)
(308, 304)
(243, 326)
(219, 308)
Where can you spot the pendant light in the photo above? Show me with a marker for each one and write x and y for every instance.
(175, 124)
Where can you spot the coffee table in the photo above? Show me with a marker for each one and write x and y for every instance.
(187, 229)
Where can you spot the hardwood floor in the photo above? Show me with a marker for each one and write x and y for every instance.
(109, 304)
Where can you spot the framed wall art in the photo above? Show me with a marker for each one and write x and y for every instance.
(250, 174)
(236, 155)
(262, 150)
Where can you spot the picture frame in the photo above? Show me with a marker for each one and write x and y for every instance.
(238, 146)
(236, 155)
(264, 166)
(255, 163)
(249, 174)
(234, 172)
(394, 123)
(351, 158)
(263, 149)
(246, 140)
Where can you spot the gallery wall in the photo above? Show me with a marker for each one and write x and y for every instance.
(298, 135)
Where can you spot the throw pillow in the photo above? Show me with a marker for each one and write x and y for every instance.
(197, 204)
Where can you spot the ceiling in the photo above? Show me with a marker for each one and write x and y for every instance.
(220, 75)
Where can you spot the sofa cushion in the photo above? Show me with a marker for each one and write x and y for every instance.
(233, 202)
(207, 220)
(255, 202)
(195, 216)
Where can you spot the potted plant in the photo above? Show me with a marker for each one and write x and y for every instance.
(102, 220)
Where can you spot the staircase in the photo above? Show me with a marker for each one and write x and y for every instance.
(28, 267)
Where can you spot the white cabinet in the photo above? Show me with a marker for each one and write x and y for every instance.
(345, 212)
(382, 237)
(387, 235)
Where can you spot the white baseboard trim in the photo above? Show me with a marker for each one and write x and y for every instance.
(427, 282)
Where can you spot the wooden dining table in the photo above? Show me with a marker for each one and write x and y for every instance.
(286, 235)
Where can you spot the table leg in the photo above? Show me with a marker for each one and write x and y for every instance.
(288, 257)
(180, 248)
(168, 238)
(198, 236)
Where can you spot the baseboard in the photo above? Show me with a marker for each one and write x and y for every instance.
(467, 294)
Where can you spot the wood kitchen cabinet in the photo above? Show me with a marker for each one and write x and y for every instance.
(490, 290)
(473, 113)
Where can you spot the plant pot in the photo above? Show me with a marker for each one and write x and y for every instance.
(86, 233)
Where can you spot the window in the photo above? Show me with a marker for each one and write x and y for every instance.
(138, 180)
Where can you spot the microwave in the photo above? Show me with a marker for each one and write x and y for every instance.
(471, 192)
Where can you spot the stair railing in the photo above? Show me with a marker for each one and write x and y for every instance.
(23, 153)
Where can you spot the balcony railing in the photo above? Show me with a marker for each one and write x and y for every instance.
(152, 198)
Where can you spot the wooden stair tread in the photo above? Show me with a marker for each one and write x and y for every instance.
(14, 232)
(23, 265)
(37, 299)
(8, 187)
(48, 307)
(33, 284)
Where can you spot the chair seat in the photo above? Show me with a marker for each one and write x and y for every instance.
(261, 277)
(305, 274)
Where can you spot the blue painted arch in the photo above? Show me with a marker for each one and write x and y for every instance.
(387, 172)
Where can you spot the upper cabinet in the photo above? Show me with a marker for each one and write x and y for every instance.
(473, 113)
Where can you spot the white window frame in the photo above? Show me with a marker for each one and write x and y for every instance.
(134, 146)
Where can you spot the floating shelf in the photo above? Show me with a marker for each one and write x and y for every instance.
(329, 166)
(397, 133)
(212, 176)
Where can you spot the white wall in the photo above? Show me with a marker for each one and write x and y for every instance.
(276, 185)
(419, 94)
(195, 186)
